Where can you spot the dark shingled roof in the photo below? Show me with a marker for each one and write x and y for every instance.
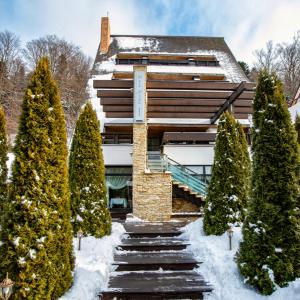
(172, 45)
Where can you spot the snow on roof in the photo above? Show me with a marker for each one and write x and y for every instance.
(172, 45)
(130, 42)
(95, 101)
(227, 68)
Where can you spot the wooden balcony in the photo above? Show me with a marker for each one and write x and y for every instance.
(117, 138)
(178, 99)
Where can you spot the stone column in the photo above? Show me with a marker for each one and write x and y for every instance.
(152, 192)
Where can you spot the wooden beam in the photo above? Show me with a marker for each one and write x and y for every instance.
(114, 93)
(198, 102)
(174, 109)
(119, 114)
(173, 84)
(184, 102)
(228, 102)
(115, 108)
(175, 101)
(116, 101)
(195, 85)
(208, 94)
(175, 94)
(186, 115)
(182, 109)
(112, 84)
(245, 110)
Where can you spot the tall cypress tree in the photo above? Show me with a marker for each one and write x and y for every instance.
(87, 178)
(243, 160)
(270, 251)
(3, 160)
(37, 237)
(297, 127)
(229, 185)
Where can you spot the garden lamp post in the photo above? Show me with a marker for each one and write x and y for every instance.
(79, 235)
(6, 288)
(230, 235)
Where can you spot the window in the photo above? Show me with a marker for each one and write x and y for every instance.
(167, 62)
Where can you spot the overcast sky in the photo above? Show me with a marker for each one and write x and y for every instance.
(246, 24)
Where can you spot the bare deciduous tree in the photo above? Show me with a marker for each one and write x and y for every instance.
(289, 65)
(70, 67)
(12, 77)
(267, 58)
(284, 59)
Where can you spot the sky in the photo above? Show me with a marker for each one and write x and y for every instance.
(246, 25)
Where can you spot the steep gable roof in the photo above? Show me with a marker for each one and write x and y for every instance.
(186, 45)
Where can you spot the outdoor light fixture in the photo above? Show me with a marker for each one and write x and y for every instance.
(6, 288)
(230, 235)
(79, 235)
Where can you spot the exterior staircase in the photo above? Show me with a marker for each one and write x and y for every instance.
(183, 178)
(152, 262)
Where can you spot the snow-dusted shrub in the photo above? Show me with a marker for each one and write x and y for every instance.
(36, 235)
(270, 252)
(87, 177)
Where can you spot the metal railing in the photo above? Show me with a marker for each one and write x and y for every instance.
(180, 173)
(117, 138)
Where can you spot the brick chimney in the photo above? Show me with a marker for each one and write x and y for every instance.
(105, 35)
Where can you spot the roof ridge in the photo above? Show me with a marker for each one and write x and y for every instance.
(167, 36)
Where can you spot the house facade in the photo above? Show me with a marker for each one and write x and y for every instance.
(158, 99)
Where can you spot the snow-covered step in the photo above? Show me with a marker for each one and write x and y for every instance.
(145, 229)
(160, 285)
(155, 260)
(153, 244)
(147, 265)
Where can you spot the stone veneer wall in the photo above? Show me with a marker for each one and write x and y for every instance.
(152, 192)
(182, 205)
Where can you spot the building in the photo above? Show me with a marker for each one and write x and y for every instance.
(159, 99)
(295, 107)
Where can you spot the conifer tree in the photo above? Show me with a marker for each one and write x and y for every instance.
(87, 177)
(297, 127)
(37, 238)
(3, 160)
(229, 186)
(270, 252)
(243, 160)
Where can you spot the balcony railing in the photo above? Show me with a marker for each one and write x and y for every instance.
(117, 138)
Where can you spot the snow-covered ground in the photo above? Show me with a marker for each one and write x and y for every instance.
(93, 264)
(221, 271)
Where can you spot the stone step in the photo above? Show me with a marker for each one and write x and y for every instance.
(153, 244)
(133, 261)
(156, 285)
(164, 229)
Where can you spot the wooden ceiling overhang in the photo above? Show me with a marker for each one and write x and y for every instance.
(180, 99)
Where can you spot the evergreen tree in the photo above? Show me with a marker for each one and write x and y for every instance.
(3, 160)
(37, 238)
(229, 186)
(243, 160)
(297, 127)
(87, 177)
(270, 252)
